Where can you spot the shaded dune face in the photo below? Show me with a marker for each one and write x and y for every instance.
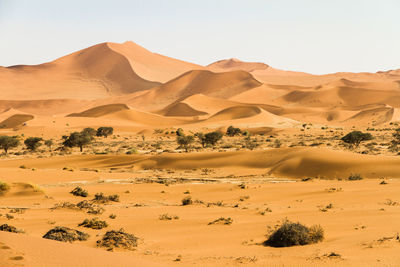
(15, 120)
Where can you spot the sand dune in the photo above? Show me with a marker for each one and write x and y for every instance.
(152, 66)
(237, 112)
(94, 72)
(221, 85)
(100, 111)
(180, 110)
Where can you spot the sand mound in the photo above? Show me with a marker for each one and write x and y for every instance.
(24, 189)
(235, 64)
(100, 111)
(143, 118)
(237, 112)
(180, 110)
(15, 121)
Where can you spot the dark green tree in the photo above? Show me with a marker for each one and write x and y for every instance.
(77, 139)
(202, 138)
(32, 143)
(185, 141)
(104, 131)
(232, 131)
(89, 131)
(213, 138)
(354, 138)
(7, 142)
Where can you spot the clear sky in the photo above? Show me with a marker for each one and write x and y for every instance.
(316, 36)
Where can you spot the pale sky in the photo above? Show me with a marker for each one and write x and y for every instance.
(316, 36)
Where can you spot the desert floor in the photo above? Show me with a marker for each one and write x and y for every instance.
(257, 189)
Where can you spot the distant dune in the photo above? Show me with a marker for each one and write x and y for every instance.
(100, 111)
(110, 77)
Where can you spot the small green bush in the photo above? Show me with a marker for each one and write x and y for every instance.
(355, 177)
(79, 192)
(187, 201)
(295, 234)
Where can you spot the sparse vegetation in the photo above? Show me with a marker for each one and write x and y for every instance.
(222, 220)
(9, 228)
(167, 217)
(355, 177)
(101, 198)
(94, 223)
(295, 234)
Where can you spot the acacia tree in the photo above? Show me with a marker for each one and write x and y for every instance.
(185, 141)
(32, 143)
(89, 131)
(77, 139)
(232, 131)
(201, 138)
(354, 138)
(7, 142)
(213, 138)
(104, 131)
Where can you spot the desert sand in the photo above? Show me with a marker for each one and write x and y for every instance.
(289, 161)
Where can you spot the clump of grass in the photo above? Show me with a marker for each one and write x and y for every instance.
(295, 234)
(94, 223)
(90, 207)
(9, 228)
(79, 192)
(65, 234)
(355, 177)
(187, 201)
(112, 216)
(4, 188)
(167, 217)
(222, 220)
(118, 239)
(265, 211)
(101, 198)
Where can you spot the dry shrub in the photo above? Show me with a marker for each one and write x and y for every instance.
(295, 234)
(118, 239)
(65, 234)
(94, 223)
